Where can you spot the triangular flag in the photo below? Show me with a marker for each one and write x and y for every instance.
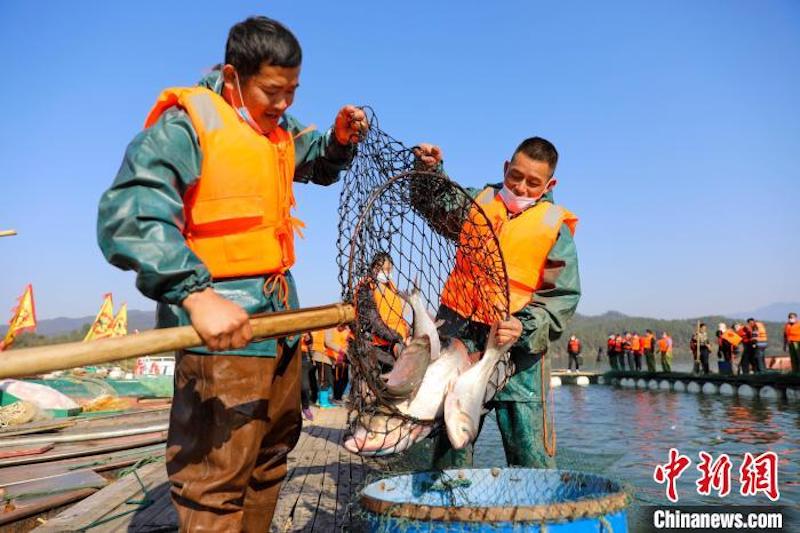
(119, 327)
(23, 318)
(101, 327)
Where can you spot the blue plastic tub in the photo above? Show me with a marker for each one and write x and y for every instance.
(497, 500)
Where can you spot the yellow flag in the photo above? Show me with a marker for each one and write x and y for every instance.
(120, 325)
(101, 327)
(23, 319)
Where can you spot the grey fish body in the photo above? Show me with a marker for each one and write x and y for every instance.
(409, 369)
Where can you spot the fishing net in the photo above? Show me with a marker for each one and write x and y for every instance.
(433, 238)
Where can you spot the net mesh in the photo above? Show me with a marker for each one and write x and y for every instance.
(445, 261)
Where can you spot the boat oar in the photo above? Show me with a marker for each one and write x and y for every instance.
(41, 359)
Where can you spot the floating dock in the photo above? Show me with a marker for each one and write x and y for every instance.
(763, 385)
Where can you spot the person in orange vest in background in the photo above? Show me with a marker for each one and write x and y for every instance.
(728, 340)
(379, 305)
(649, 349)
(574, 351)
(791, 340)
(323, 368)
(337, 341)
(627, 348)
(619, 346)
(611, 350)
(748, 361)
(665, 350)
(201, 209)
(306, 366)
(636, 348)
(759, 342)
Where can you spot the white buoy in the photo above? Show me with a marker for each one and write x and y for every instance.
(746, 391)
(726, 389)
(641, 384)
(555, 381)
(664, 385)
(652, 384)
(693, 387)
(629, 383)
(601, 380)
(615, 382)
(680, 386)
(582, 381)
(768, 393)
(709, 388)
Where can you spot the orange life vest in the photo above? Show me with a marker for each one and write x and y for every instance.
(390, 309)
(611, 345)
(636, 343)
(647, 342)
(792, 332)
(574, 345)
(618, 344)
(238, 214)
(731, 336)
(761, 332)
(663, 345)
(318, 341)
(340, 342)
(525, 241)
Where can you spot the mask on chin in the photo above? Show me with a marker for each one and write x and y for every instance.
(244, 112)
(382, 277)
(516, 204)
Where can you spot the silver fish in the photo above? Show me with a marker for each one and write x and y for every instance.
(407, 373)
(463, 404)
(423, 322)
(428, 403)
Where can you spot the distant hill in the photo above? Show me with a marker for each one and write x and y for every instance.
(140, 320)
(776, 312)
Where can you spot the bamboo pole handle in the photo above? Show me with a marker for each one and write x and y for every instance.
(8, 233)
(29, 361)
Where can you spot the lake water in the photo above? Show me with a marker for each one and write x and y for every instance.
(624, 433)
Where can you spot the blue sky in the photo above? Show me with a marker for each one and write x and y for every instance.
(678, 125)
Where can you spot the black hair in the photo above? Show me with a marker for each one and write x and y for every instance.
(377, 262)
(539, 149)
(751, 319)
(702, 324)
(261, 41)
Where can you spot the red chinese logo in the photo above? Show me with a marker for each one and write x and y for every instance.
(759, 474)
(671, 471)
(715, 475)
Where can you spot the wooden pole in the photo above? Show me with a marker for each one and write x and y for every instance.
(30, 361)
(8, 233)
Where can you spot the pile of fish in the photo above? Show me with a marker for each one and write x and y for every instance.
(428, 383)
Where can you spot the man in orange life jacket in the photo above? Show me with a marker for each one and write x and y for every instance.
(759, 342)
(649, 348)
(619, 345)
(574, 350)
(791, 340)
(627, 349)
(535, 236)
(201, 210)
(611, 350)
(636, 348)
(379, 305)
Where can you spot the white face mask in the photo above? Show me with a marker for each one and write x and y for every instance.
(792, 320)
(382, 277)
(517, 204)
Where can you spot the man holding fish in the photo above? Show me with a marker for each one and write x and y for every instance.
(536, 238)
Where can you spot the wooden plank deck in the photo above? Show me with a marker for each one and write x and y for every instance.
(318, 494)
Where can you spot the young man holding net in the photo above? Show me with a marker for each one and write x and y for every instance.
(201, 210)
(535, 237)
